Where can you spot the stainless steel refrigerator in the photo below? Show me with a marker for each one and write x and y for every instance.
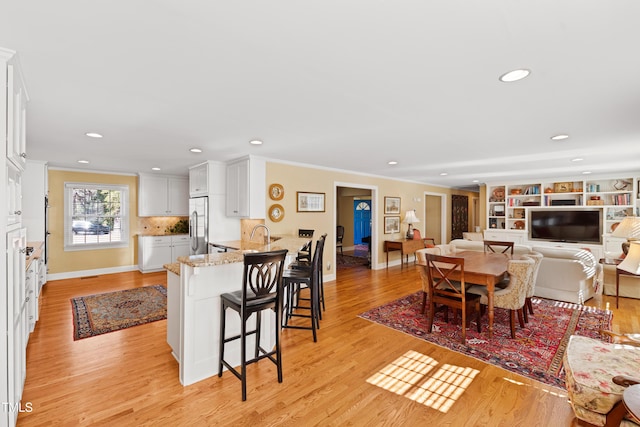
(199, 225)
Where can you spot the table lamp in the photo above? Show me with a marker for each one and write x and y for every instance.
(631, 263)
(410, 218)
(629, 228)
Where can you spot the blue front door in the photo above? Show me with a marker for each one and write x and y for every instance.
(361, 220)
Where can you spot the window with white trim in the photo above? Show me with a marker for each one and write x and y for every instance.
(96, 216)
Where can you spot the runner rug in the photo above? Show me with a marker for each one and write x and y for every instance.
(535, 353)
(101, 313)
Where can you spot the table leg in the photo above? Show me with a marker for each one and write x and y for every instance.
(490, 289)
(387, 251)
(617, 285)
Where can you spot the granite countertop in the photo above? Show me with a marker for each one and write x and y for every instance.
(292, 244)
(174, 267)
(162, 234)
(38, 248)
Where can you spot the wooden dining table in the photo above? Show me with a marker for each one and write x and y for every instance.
(485, 269)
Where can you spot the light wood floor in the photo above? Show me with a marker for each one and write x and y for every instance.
(130, 378)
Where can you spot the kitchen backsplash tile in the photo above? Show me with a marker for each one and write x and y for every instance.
(157, 225)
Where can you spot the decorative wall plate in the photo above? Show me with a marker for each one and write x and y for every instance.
(276, 213)
(276, 191)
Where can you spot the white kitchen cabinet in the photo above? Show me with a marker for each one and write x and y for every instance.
(163, 195)
(246, 192)
(16, 117)
(31, 286)
(207, 178)
(14, 195)
(155, 251)
(16, 316)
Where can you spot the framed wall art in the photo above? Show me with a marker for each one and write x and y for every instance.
(310, 202)
(391, 224)
(391, 205)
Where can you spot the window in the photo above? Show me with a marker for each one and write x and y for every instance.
(96, 216)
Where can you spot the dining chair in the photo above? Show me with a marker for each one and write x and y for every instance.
(261, 290)
(448, 292)
(424, 275)
(304, 254)
(339, 238)
(490, 246)
(512, 297)
(297, 280)
(531, 289)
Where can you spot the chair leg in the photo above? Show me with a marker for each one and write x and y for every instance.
(258, 328)
(278, 349)
(524, 313)
(529, 305)
(520, 317)
(478, 316)
(424, 302)
(512, 322)
(243, 358)
(221, 352)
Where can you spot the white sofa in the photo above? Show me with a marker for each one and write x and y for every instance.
(564, 274)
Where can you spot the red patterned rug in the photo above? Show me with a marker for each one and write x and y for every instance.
(101, 313)
(535, 353)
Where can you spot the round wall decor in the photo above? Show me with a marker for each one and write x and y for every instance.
(276, 191)
(276, 213)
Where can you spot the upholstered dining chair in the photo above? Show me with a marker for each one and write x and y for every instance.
(512, 297)
(450, 293)
(537, 259)
(493, 245)
(261, 290)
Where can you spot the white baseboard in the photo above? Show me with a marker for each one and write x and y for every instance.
(96, 272)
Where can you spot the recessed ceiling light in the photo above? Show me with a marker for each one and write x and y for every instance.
(586, 172)
(515, 75)
(560, 137)
(83, 161)
(255, 142)
(577, 159)
(195, 150)
(393, 162)
(476, 180)
(443, 174)
(93, 135)
(155, 169)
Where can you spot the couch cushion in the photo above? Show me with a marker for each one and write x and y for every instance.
(590, 365)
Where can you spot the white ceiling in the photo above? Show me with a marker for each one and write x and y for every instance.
(343, 84)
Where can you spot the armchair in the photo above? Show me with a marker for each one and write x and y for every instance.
(597, 374)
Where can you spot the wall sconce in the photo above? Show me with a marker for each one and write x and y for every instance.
(410, 218)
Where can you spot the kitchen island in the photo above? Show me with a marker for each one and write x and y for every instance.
(193, 307)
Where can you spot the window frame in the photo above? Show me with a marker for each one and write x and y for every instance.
(124, 216)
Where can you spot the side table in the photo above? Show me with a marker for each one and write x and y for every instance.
(616, 262)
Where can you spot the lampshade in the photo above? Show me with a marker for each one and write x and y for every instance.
(631, 262)
(629, 228)
(410, 218)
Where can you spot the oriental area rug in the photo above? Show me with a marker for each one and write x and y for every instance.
(101, 313)
(536, 352)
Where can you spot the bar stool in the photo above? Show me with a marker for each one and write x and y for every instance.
(261, 290)
(296, 280)
(304, 254)
(301, 265)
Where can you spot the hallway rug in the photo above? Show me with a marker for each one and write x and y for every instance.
(101, 313)
(536, 352)
(348, 261)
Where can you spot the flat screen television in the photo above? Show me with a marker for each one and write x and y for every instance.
(566, 225)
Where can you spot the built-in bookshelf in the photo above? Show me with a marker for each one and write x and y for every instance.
(508, 205)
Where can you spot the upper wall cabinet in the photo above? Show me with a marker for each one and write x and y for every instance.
(163, 195)
(16, 116)
(246, 188)
(207, 178)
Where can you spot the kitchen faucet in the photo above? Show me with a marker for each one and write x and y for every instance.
(263, 226)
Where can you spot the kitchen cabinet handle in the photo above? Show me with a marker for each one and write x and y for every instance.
(18, 212)
(23, 155)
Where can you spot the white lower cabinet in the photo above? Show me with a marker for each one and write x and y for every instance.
(155, 251)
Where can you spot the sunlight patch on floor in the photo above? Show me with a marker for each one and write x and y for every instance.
(422, 379)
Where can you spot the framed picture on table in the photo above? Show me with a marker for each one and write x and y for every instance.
(391, 205)
(391, 224)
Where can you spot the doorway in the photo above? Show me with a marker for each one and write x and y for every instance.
(435, 213)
